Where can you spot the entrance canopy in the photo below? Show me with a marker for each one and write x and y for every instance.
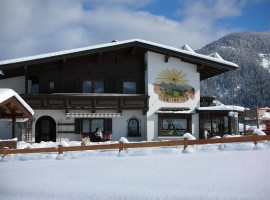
(13, 107)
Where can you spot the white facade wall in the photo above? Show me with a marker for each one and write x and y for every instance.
(17, 84)
(59, 116)
(155, 64)
(119, 124)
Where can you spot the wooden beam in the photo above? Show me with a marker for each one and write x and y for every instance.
(200, 67)
(26, 79)
(98, 56)
(13, 126)
(166, 58)
(132, 51)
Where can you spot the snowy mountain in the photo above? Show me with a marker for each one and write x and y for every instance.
(265, 60)
(249, 85)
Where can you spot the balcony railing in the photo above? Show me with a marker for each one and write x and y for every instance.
(87, 101)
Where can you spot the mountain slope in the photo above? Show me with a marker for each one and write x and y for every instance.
(249, 85)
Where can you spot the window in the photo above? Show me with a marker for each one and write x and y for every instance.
(216, 125)
(34, 84)
(129, 87)
(35, 89)
(99, 87)
(174, 125)
(134, 127)
(87, 86)
(51, 85)
(94, 86)
(85, 126)
(89, 125)
(97, 123)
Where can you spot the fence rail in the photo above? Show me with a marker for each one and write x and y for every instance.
(121, 146)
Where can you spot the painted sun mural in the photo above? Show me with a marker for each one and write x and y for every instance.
(172, 86)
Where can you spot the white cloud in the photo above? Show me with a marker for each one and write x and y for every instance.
(29, 27)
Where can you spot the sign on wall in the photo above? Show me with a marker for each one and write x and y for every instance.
(172, 86)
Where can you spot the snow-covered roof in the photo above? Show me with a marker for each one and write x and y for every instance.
(216, 55)
(185, 50)
(222, 108)
(6, 93)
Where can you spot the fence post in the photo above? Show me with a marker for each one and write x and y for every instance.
(121, 146)
(255, 138)
(185, 143)
(5, 151)
(60, 149)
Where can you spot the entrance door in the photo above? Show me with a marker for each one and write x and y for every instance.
(45, 129)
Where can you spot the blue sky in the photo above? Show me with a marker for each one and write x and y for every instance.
(31, 27)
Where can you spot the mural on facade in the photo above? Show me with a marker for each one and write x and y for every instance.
(172, 86)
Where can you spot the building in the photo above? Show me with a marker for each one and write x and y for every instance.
(134, 88)
(13, 108)
(218, 119)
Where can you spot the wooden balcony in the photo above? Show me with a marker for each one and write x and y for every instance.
(88, 101)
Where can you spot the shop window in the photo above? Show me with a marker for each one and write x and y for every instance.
(216, 125)
(174, 125)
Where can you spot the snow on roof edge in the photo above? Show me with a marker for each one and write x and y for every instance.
(64, 52)
(6, 93)
(223, 107)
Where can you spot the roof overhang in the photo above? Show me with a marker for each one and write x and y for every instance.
(207, 66)
(13, 106)
(220, 109)
(174, 111)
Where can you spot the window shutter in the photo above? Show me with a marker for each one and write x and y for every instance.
(108, 125)
(77, 126)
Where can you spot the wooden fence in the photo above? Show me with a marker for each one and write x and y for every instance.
(121, 146)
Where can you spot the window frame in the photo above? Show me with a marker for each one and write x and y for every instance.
(107, 125)
(90, 130)
(93, 85)
(52, 85)
(130, 133)
(161, 117)
(216, 120)
(129, 81)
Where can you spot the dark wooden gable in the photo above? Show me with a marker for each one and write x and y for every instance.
(11, 108)
(206, 67)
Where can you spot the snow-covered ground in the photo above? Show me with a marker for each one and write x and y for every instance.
(221, 171)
